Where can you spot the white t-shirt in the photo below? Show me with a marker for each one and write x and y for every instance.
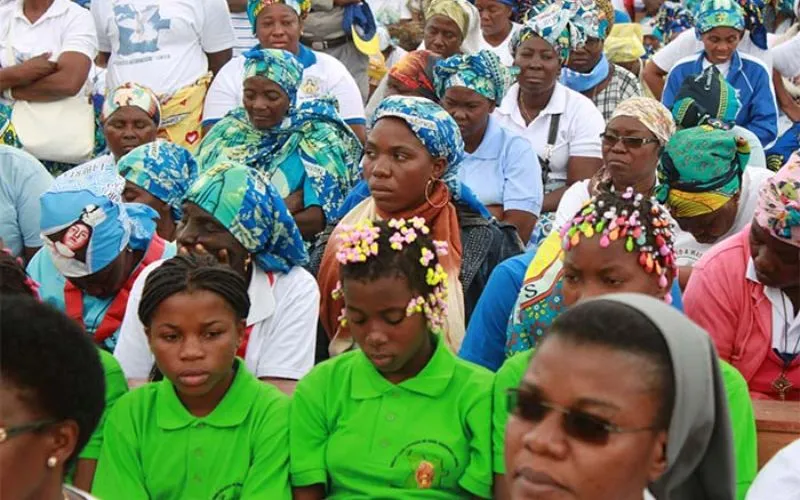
(243, 32)
(161, 44)
(283, 313)
(579, 127)
(780, 478)
(503, 51)
(327, 76)
(687, 44)
(786, 57)
(688, 251)
(64, 27)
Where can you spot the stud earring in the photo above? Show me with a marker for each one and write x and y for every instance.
(51, 462)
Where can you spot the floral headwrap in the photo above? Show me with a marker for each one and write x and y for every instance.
(672, 18)
(554, 24)
(415, 72)
(254, 8)
(719, 13)
(700, 170)
(8, 135)
(706, 98)
(596, 16)
(163, 169)
(244, 202)
(651, 113)
(483, 73)
(778, 209)
(278, 65)
(434, 128)
(132, 94)
(85, 224)
(754, 21)
(360, 242)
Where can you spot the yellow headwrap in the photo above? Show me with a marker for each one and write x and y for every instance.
(451, 9)
(624, 44)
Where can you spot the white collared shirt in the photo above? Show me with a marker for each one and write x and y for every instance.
(788, 324)
(283, 314)
(579, 128)
(503, 51)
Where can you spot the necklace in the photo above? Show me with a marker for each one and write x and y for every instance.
(524, 112)
(782, 384)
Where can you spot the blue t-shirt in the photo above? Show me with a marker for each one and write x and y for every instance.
(485, 340)
(22, 182)
(51, 290)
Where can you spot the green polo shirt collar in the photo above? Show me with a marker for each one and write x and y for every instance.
(367, 382)
(231, 411)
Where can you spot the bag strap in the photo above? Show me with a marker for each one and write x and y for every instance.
(552, 136)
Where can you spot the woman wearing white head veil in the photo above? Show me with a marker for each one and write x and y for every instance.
(624, 399)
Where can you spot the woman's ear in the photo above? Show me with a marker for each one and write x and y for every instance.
(659, 462)
(241, 328)
(64, 438)
(439, 167)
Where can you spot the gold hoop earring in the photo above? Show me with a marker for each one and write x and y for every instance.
(428, 198)
(52, 462)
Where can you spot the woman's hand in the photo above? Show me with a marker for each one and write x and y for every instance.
(221, 256)
(31, 70)
(295, 202)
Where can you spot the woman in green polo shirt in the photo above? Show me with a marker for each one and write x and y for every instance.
(401, 417)
(209, 429)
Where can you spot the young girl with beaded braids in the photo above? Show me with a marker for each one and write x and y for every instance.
(400, 417)
(209, 429)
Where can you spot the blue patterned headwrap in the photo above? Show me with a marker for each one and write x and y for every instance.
(245, 203)
(482, 72)
(163, 169)
(278, 65)
(434, 128)
(555, 25)
(719, 13)
(85, 225)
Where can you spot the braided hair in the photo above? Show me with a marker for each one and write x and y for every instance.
(188, 273)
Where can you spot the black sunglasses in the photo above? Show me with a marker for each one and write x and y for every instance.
(577, 424)
(7, 433)
(629, 142)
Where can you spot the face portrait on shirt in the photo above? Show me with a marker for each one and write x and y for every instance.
(265, 101)
(630, 165)
(442, 36)
(591, 271)
(583, 59)
(469, 109)
(539, 65)
(279, 27)
(397, 166)
(495, 18)
(194, 336)
(376, 316)
(720, 43)
(199, 231)
(127, 128)
(552, 455)
(777, 263)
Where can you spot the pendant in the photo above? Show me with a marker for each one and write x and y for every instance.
(782, 385)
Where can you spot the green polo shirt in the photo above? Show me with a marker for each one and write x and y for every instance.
(364, 437)
(740, 408)
(155, 449)
(507, 377)
(116, 387)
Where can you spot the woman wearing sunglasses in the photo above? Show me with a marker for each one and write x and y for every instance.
(50, 399)
(625, 395)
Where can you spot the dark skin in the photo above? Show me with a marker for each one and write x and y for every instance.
(777, 263)
(720, 43)
(279, 27)
(39, 80)
(127, 128)
(23, 458)
(543, 461)
(495, 21)
(199, 232)
(585, 58)
(540, 68)
(631, 166)
(194, 337)
(165, 226)
(654, 77)
(266, 104)
(651, 6)
(399, 346)
(633, 66)
(397, 166)
(471, 112)
(788, 104)
(443, 36)
(109, 281)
